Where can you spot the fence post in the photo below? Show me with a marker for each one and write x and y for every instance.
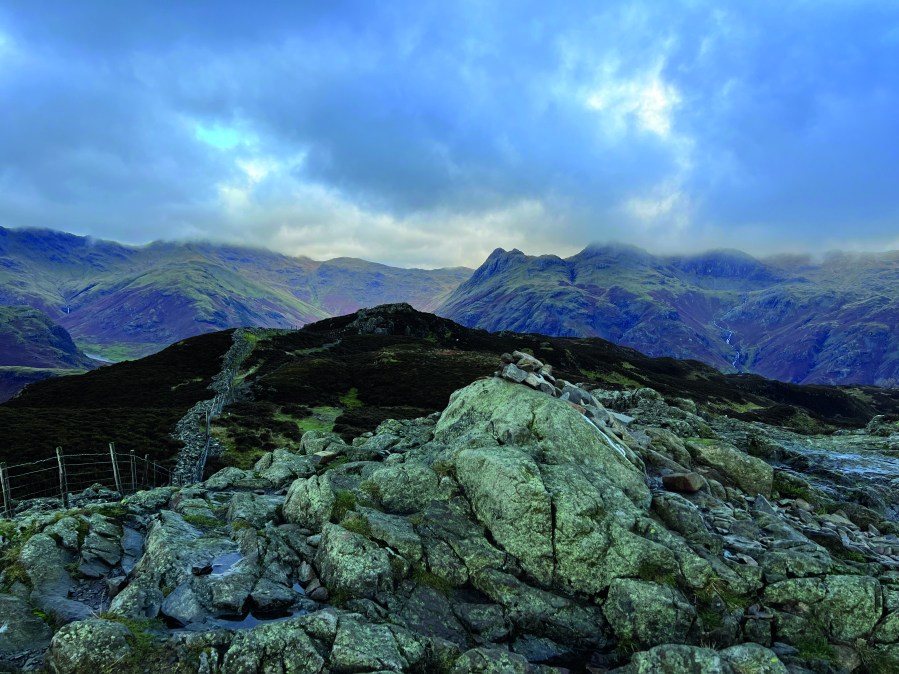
(4, 483)
(146, 468)
(63, 478)
(115, 468)
(133, 472)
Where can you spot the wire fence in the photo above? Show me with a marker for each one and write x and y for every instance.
(65, 475)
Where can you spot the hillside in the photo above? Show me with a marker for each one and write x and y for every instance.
(529, 524)
(29, 338)
(135, 404)
(785, 318)
(33, 348)
(349, 374)
(123, 301)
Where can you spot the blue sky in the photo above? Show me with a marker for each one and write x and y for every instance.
(429, 133)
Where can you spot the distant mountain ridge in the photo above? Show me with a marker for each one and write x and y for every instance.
(785, 317)
(119, 300)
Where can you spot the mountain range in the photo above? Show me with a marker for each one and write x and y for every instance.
(788, 317)
(126, 301)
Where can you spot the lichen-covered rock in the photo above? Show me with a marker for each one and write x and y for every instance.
(253, 509)
(65, 532)
(89, 646)
(149, 501)
(554, 432)
(405, 488)
(677, 659)
(507, 494)
(103, 542)
(365, 647)
(540, 612)
(554, 490)
(172, 548)
(45, 564)
(279, 647)
(647, 614)
(232, 477)
(395, 532)
(750, 658)
(750, 474)
(22, 633)
(318, 441)
(491, 661)
(283, 466)
(310, 502)
(352, 564)
(848, 607)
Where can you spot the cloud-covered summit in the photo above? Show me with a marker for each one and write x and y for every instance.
(429, 133)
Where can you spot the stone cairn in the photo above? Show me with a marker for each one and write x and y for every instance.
(523, 368)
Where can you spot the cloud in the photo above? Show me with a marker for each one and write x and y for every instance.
(426, 133)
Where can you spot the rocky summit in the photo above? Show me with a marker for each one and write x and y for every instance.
(531, 526)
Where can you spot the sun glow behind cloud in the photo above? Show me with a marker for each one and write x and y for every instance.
(220, 137)
(646, 101)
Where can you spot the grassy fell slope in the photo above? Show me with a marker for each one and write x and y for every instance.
(135, 404)
(350, 373)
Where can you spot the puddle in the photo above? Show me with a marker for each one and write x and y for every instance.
(223, 563)
(856, 469)
(252, 619)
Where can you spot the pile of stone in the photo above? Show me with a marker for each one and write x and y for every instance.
(523, 368)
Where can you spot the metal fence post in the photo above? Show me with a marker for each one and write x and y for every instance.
(63, 478)
(146, 468)
(133, 472)
(7, 497)
(115, 468)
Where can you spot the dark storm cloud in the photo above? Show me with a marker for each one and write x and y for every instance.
(432, 132)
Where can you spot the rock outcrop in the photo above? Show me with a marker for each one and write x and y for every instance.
(533, 526)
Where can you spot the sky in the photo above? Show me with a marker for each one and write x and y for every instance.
(422, 133)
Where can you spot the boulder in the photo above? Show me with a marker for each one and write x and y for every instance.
(750, 474)
(22, 633)
(508, 496)
(253, 509)
(847, 607)
(364, 647)
(89, 646)
(310, 501)
(351, 564)
(689, 483)
(646, 614)
(491, 661)
(405, 488)
(750, 658)
(276, 647)
(677, 659)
